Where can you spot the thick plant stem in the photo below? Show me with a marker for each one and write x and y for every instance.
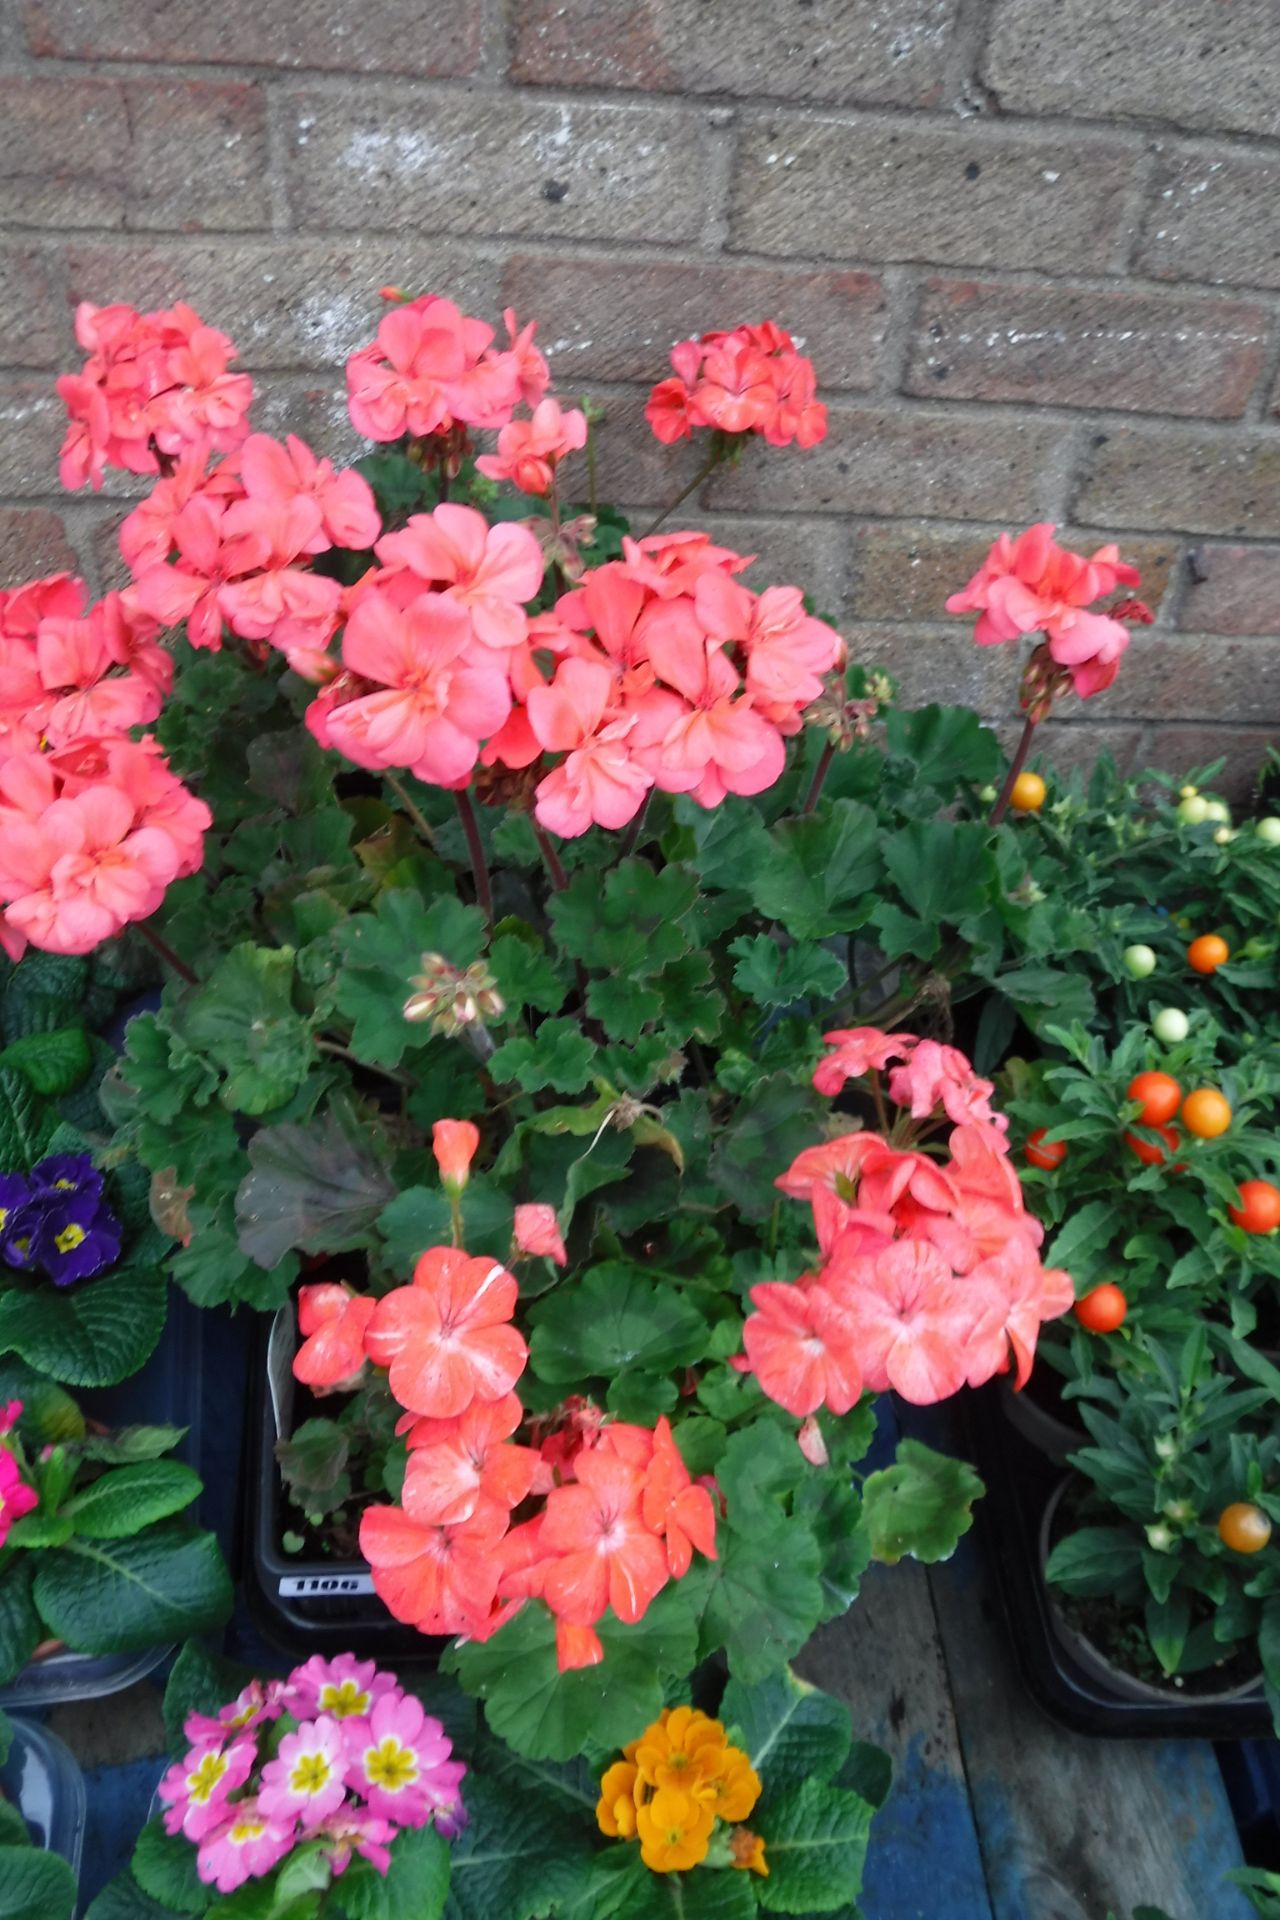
(1016, 765)
(414, 812)
(633, 832)
(708, 467)
(559, 878)
(166, 953)
(819, 778)
(475, 847)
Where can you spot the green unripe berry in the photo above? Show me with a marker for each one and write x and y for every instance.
(1268, 830)
(1139, 961)
(1193, 812)
(1217, 810)
(1171, 1026)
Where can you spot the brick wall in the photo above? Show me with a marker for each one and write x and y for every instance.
(1032, 245)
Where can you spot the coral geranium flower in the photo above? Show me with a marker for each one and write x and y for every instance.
(454, 1464)
(437, 1579)
(801, 1347)
(446, 1340)
(603, 1553)
(914, 1321)
(674, 1506)
(333, 1319)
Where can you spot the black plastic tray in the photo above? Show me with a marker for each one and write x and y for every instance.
(1019, 1484)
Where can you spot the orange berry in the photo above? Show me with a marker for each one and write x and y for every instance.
(1206, 1113)
(1028, 792)
(1103, 1310)
(1208, 953)
(1160, 1095)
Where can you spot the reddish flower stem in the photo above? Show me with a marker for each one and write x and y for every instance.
(475, 847)
(166, 953)
(819, 778)
(559, 878)
(633, 832)
(708, 467)
(1016, 765)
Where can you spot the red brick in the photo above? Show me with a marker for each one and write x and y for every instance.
(1200, 482)
(1074, 347)
(1213, 216)
(107, 153)
(483, 163)
(634, 467)
(1164, 678)
(1233, 590)
(906, 573)
(618, 319)
(1198, 64)
(1064, 747)
(939, 663)
(1186, 749)
(33, 541)
(32, 423)
(35, 327)
(826, 50)
(286, 302)
(905, 461)
(791, 551)
(962, 195)
(392, 36)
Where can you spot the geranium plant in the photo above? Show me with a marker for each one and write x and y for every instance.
(95, 1552)
(509, 871)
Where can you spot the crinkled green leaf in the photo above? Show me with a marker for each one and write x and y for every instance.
(112, 1596)
(20, 1628)
(121, 1502)
(816, 1849)
(919, 1506)
(35, 1885)
(416, 1886)
(25, 1123)
(54, 1063)
(511, 1862)
(164, 1865)
(90, 1335)
(792, 1730)
(526, 974)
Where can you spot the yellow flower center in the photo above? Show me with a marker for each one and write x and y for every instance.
(250, 1828)
(69, 1238)
(344, 1701)
(68, 1185)
(244, 1716)
(201, 1783)
(311, 1773)
(390, 1766)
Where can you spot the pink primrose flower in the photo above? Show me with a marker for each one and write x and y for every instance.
(195, 1788)
(245, 1847)
(16, 1497)
(399, 1762)
(304, 1781)
(344, 1687)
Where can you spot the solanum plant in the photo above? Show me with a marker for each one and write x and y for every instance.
(1176, 1530)
(95, 1554)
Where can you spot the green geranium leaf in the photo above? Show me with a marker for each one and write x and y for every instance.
(920, 1506)
(318, 1188)
(90, 1335)
(792, 1731)
(611, 1322)
(116, 1595)
(942, 868)
(774, 1121)
(35, 1885)
(243, 1019)
(776, 976)
(20, 1627)
(766, 1593)
(634, 927)
(947, 744)
(416, 1219)
(623, 1006)
(212, 1271)
(832, 1506)
(558, 1056)
(164, 1865)
(818, 873)
(642, 1397)
(54, 1063)
(903, 934)
(380, 953)
(314, 1457)
(525, 974)
(816, 1848)
(122, 1502)
(550, 1715)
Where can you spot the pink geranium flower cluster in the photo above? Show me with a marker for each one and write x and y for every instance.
(16, 1495)
(930, 1276)
(659, 670)
(1031, 585)
(337, 1757)
(155, 385)
(93, 826)
(749, 380)
(620, 1514)
(233, 546)
(432, 369)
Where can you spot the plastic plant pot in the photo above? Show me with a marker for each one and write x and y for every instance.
(165, 1392)
(42, 1779)
(305, 1604)
(1039, 1427)
(1009, 1523)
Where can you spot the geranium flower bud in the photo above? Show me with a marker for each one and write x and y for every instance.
(454, 1143)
